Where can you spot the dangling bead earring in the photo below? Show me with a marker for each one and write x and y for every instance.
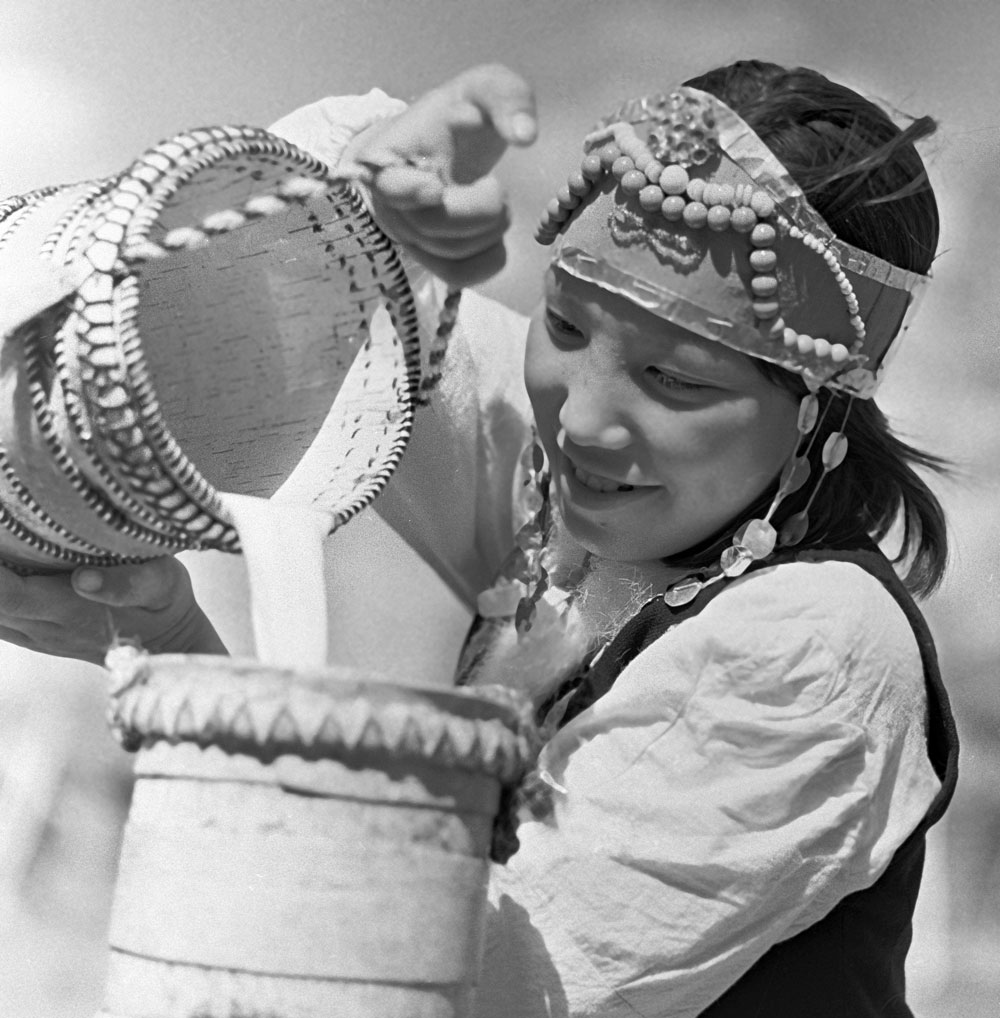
(834, 452)
(532, 538)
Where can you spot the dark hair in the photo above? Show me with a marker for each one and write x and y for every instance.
(862, 173)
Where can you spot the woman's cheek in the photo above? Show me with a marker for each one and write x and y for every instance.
(540, 380)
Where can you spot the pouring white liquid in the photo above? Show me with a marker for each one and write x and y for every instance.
(283, 548)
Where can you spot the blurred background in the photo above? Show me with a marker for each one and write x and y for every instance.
(84, 87)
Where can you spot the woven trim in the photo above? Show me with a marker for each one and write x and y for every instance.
(246, 706)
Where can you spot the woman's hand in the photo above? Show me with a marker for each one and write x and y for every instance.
(429, 171)
(80, 615)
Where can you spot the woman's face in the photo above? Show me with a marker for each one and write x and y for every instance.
(656, 437)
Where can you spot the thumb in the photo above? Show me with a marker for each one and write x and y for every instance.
(506, 98)
(153, 585)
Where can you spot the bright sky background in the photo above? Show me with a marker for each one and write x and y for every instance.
(86, 86)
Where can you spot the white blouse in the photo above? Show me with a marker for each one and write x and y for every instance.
(748, 770)
(752, 767)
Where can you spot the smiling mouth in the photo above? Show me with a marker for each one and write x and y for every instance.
(597, 483)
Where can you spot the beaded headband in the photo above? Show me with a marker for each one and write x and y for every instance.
(676, 193)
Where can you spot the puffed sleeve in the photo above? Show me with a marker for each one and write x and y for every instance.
(326, 127)
(755, 765)
(450, 498)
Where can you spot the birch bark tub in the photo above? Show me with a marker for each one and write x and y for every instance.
(303, 845)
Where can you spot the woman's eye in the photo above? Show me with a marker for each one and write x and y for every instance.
(671, 382)
(557, 323)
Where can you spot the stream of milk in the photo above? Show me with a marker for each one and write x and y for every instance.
(283, 548)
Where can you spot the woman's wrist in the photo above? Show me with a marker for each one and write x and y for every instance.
(192, 634)
(206, 640)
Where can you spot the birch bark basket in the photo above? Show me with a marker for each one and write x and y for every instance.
(302, 845)
(181, 330)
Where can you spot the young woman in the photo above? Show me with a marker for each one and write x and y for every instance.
(747, 734)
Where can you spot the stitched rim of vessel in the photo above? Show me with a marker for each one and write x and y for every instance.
(18, 203)
(86, 553)
(107, 513)
(203, 700)
(185, 492)
(153, 531)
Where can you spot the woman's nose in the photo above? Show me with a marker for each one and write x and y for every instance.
(588, 418)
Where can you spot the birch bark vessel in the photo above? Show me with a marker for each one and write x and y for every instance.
(183, 329)
(303, 846)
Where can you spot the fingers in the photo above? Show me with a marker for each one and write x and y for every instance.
(436, 236)
(438, 209)
(56, 640)
(505, 98)
(468, 271)
(151, 585)
(17, 638)
(34, 598)
(42, 613)
(464, 223)
(13, 594)
(409, 187)
(447, 248)
(473, 206)
(428, 171)
(461, 129)
(79, 615)
(29, 601)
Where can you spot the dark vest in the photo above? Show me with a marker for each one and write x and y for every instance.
(850, 964)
